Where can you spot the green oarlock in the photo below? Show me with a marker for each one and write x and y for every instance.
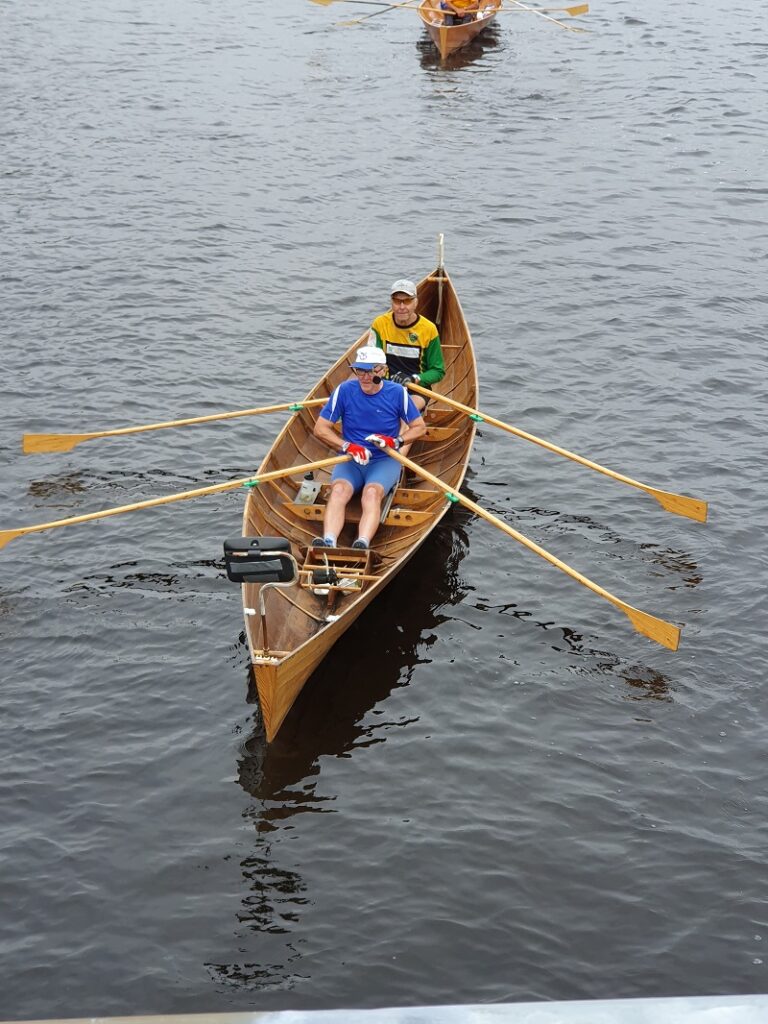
(477, 417)
(450, 496)
(296, 407)
(251, 483)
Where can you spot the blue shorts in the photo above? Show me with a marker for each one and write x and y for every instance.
(384, 471)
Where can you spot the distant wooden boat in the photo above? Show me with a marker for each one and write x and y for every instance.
(449, 38)
(291, 626)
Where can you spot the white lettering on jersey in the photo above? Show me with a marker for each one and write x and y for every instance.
(403, 351)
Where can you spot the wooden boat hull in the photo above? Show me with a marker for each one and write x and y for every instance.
(449, 38)
(302, 623)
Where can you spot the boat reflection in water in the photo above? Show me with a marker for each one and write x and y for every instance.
(429, 56)
(329, 716)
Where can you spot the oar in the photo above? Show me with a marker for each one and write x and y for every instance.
(533, 10)
(365, 17)
(64, 442)
(414, 4)
(367, 3)
(410, 4)
(662, 632)
(230, 485)
(574, 12)
(680, 504)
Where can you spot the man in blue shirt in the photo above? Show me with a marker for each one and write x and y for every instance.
(371, 410)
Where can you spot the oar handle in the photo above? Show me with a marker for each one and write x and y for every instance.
(229, 485)
(680, 504)
(656, 629)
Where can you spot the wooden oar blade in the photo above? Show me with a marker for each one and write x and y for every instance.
(6, 535)
(576, 11)
(681, 505)
(541, 13)
(663, 632)
(64, 442)
(35, 443)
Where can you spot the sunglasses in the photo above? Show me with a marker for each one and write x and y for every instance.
(368, 373)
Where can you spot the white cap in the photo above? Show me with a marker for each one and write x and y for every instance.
(369, 356)
(405, 286)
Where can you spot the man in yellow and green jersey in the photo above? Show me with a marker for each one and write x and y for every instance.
(410, 341)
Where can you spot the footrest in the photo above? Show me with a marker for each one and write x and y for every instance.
(326, 570)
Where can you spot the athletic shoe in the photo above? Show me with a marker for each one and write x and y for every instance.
(321, 542)
(361, 544)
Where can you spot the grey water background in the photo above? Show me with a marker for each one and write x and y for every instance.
(493, 789)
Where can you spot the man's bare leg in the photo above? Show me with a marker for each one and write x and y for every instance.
(371, 502)
(335, 509)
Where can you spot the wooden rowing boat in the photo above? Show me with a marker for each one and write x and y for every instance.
(291, 627)
(449, 38)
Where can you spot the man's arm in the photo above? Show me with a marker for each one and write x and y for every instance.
(434, 365)
(415, 429)
(374, 338)
(324, 431)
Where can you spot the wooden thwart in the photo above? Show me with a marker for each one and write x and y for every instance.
(435, 434)
(400, 508)
(392, 517)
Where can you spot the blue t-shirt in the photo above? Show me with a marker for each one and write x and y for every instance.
(363, 414)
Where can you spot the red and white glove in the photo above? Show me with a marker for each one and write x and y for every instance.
(382, 441)
(360, 454)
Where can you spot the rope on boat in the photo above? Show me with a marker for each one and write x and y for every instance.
(441, 268)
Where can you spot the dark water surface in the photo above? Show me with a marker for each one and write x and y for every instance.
(493, 789)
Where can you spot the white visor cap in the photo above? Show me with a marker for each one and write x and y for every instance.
(368, 357)
(405, 286)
